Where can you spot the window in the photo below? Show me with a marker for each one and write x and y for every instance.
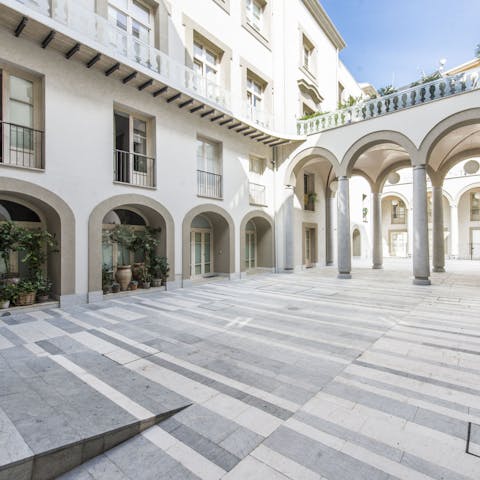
(307, 54)
(20, 142)
(256, 165)
(255, 92)
(309, 195)
(255, 11)
(132, 163)
(398, 212)
(209, 169)
(205, 61)
(475, 206)
(131, 17)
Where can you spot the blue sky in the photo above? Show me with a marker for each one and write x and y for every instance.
(398, 39)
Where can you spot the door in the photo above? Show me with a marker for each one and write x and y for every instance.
(201, 253)
(250, 250)
(475, 244)
(309, 247)
(356, 243)
(398, 244)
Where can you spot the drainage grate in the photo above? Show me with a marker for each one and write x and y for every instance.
(473, 440)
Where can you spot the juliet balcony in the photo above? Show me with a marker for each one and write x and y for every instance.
(81, 34)
(21, 146)
(406, 98)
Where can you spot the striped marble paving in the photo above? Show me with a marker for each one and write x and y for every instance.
(298, 376)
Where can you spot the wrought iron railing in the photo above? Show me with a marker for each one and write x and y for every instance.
(21, 146)
(133, 168)
(257, 194)
(209, 184)
(410, 97)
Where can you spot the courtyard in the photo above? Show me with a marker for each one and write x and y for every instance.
(294, 376)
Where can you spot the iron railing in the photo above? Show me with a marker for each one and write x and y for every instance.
(133, 168)
(21, 146)
(209, 184)
(257, 194)
(395, 102)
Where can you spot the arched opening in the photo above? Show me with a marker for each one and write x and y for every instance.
(208, 243)
(395, 219)
(356, 243)
(130, 218)
(36, 208)
(256, 240)
(469, 224)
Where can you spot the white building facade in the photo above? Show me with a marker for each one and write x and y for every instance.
(184, 116)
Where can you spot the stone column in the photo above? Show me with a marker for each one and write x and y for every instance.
(421, 266)
(331, 206)
(289, 226)
(454, 230)
(344, 249)
(438, 230)
(377, 254)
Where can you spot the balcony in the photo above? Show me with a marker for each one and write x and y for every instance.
(21, 146)
(257, 194)
(134, 169)
(258, 116)
(395, 102)
(209, 184)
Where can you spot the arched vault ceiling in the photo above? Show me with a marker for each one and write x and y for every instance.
(454, 143)
(380, 157)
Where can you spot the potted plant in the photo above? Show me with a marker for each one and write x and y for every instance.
(115, 287)
(133, 285)
(146, 279)
(7, 295)
(26, 292)
(107, 279)
(10, 235)
(36, 244)
(137, 271)
(155, 271)
(145, 242)
(123, 236)
(44, 289)
(164, 269)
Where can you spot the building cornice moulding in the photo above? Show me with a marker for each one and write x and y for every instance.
(320, 15)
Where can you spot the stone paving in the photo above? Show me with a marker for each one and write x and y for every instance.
(298, 376)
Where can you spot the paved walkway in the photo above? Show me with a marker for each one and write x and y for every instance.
(298, 376)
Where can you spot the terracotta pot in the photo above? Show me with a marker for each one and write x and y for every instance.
(133, 286)
(115, 288)
(123, 276)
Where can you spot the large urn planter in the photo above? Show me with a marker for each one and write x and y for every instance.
(123, 276)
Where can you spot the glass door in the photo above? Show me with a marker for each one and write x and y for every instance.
(250, 250)
(201, 252)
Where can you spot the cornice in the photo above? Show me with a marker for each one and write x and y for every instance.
(320, 15)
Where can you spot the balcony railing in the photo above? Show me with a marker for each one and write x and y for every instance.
(209, 184)
(133, 168)
(20, 146)
(257, 194)
(410, 97)
(258, 116)
(120, 43)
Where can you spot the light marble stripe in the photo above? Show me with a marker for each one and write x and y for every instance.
(268, 397)
(444, 393)
(355, 451)
(35, 331)
(129, 341)
(252, 469)
(432, 445)
(404, 364)
(189, 458)
(35, 349)
(121, 313)
(39, 315)
(410, 400)
(285, 465)
(95, 314)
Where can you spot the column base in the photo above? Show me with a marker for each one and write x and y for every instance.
(439, 269)
(344, 276)
(422, 281)
(377, 266)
